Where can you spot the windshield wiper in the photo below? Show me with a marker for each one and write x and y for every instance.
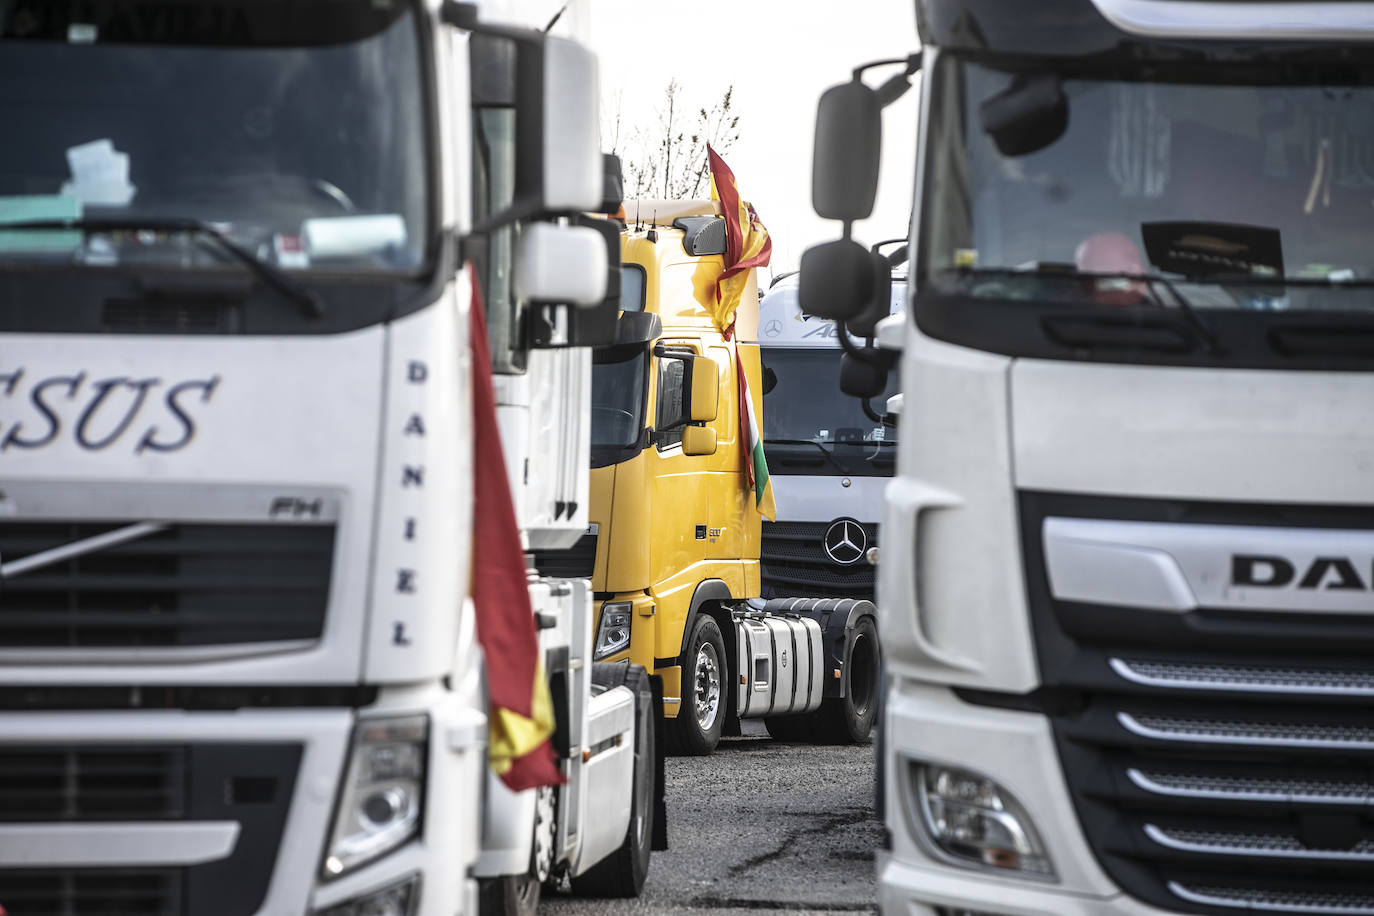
(269, 273)
(829, 455)
(1186, 308)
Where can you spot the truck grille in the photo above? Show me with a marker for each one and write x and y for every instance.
(71, 784)
(575, 562)
(794, 564)
(185, 585)
(92, 892)
(247, 783)
(1218, 761)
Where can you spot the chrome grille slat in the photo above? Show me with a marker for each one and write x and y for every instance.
(1283, 734)
(1247, 678)
(1222, 843)
(1239, 788)
(1273, 901)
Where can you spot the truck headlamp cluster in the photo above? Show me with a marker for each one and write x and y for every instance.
(382, 795)
(396, 900)
(973, 821)
(613, 632)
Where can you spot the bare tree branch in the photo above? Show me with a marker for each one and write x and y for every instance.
(669, 160)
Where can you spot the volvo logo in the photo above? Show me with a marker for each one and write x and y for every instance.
(845, 541)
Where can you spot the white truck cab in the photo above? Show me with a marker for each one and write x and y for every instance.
(1128, 635)
(239, 671)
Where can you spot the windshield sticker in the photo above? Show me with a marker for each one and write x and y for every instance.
(100, 174)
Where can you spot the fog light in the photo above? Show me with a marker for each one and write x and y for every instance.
(974, 821)
(613, 632)
(396, 900)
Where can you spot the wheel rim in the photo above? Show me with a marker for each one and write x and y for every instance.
(707, 686)
(644, 765)
(542, 853)
(863, 669)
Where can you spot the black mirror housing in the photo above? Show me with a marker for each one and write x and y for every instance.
(861, 379)
(849, 135)
(879, 303)
(836, 280)
(613, 185)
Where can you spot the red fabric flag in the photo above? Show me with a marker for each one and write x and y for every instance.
(520, 711)
(747, 242)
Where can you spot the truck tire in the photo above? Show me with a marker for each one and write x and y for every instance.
(849, 719)
(701, 716)
(622, 873)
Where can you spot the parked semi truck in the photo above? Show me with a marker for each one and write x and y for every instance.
(244, 420)
(673, 546)
(1128, 640)
(829, 454)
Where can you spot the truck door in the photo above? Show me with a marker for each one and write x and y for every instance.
(727, 506)
(680, 499)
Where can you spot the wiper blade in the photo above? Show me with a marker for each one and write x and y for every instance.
(1186, 308)
(829, 455)
(269, 273)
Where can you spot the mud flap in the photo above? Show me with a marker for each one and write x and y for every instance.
(660, 837)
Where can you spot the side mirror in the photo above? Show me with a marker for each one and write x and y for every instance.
(698, 440)
(596, 326)
(704, 392)
(1028, 115)
(612, 184)
(849, 137)
(571, 168)
(836, 280)
(560, 264)
(543, 95)
(861, 379)
(879, 304)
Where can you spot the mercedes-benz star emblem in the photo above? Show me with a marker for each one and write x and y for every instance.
(845, 541)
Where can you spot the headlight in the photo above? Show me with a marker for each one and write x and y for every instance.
(382, 794)
(613, 633)
(974, 821)
(396, 900)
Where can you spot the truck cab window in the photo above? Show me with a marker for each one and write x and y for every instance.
(308, 153)
(631, 288)
(671, 413)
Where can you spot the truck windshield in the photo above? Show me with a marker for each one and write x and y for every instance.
(296, 129)
(1226, 189)
(805, 406)
(619, 382)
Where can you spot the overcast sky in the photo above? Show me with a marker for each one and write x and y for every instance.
(780, 55)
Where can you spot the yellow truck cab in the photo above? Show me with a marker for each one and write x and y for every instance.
(673, 545)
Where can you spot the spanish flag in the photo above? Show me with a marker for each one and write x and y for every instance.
(747, 245)
(520, 709)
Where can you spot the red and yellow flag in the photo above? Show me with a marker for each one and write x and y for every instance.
(747, 245)
(520, 709)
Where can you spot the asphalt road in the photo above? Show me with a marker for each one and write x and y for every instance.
(760, 827)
